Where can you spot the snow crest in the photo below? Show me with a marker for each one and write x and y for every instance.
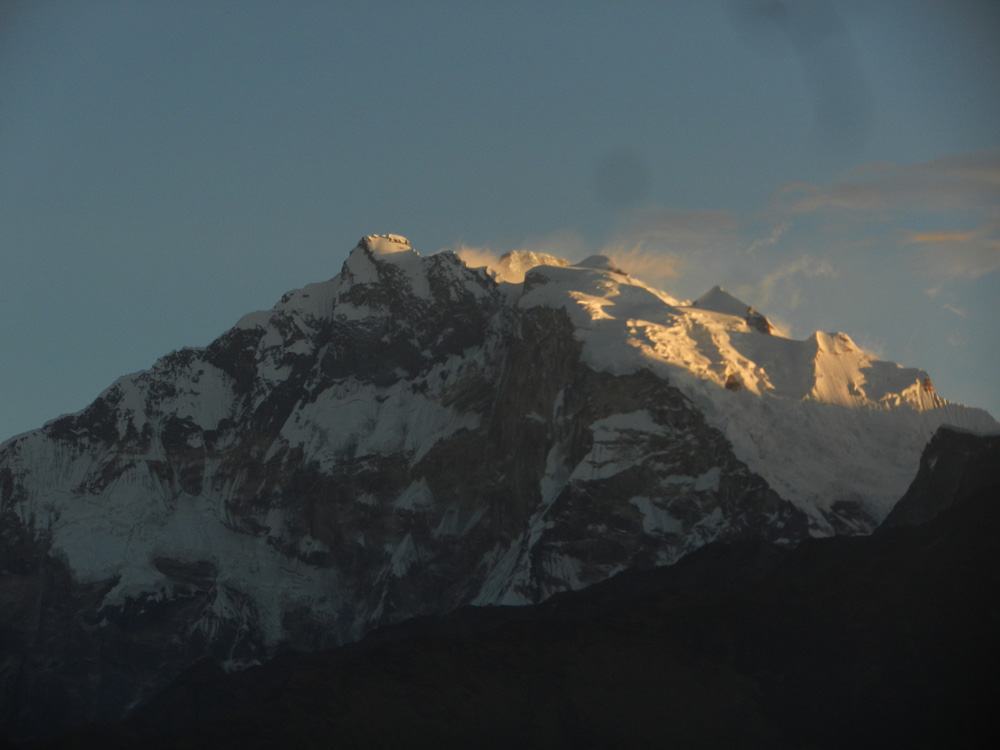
(824, 421)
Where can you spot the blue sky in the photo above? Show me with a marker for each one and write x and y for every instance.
(166, 167)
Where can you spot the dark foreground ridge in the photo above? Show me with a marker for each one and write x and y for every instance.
(880, 641)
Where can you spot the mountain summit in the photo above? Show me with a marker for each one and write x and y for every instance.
(414, 435)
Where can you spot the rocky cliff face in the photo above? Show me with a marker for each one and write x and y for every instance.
(955, 464)
(406, 438)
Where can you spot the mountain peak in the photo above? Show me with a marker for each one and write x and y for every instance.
(719, 300)
(385, 244)
(600, 262)
(513, 265)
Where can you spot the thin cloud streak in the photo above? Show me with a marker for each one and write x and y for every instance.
(650, 267)
(969, 254)
(787, 275)
(475, 257)
(662, 244)
(951, 183)
(775, 235)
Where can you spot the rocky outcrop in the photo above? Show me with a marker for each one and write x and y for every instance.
(955, 465)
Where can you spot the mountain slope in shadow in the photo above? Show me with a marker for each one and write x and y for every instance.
(841, 642)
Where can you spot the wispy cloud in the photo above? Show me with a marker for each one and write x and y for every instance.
(944, 213)
(942, 236)
(951, 183)
(476, 257)
(642, 264)
(881, 226)
(662, 244)
(771, 239)
(563, 244)
(940, 218)
(956, 340)
(785, 281)
(870, 344)
(968, 254)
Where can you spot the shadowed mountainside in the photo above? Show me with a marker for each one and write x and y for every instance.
(841, 642)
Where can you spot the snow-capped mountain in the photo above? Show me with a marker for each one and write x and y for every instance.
(414, 435)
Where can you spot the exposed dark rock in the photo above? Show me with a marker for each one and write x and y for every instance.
(954, 463)
(759, 322)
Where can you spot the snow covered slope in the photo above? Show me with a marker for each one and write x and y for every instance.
(832, 428)
(414, 435)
